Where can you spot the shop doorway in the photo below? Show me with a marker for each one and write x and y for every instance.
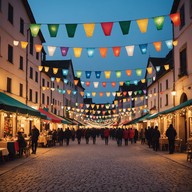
(183, 123)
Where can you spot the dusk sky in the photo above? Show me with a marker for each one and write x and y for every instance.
(79, 12)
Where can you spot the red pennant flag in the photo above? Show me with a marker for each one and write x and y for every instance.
(107, 28)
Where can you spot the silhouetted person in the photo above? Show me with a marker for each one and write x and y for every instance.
(34, 138)
(171, 134)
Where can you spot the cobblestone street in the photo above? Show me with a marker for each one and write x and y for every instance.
(98, 167)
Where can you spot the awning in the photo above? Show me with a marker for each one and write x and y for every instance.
(52, 118)
(63, 120)
(8, 103)
(124, 122)
(72, 121)
(137, 120)
(152, 116)
(185, 104)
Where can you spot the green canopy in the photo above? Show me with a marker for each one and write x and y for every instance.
(8, 103)
(185, 104)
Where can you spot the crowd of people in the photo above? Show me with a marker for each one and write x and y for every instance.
(122, 136)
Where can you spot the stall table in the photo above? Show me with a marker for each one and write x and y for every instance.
(164, 144)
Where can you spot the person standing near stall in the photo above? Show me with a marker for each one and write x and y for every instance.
(171, 134)
(34, 138)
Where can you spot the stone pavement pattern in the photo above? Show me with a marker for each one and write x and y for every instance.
(98, 168)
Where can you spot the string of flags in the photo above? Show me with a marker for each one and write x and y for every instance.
(77, 51)
(106, 26)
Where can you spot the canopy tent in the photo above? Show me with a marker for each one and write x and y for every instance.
(54, 118)
(10, 104)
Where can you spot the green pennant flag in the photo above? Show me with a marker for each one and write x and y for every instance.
(125, 25)
(71, 28)
(53, 29)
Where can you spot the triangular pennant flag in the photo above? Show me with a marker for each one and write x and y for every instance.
(107, 28)
(103, 51)
(51, 50)
(130, 50)
(71, 28)
(38, 48)
(34, 28)
(143, 48)
(77, 52)
(128, 72)
(157, 45)
(142, 23)
(78, 74)
(88, 74)
(107, 74)
(89, 29)
(104, 84)
(90, 52)
(159, 22)
(175, 18)
(53, 29)
(55, 70)
(116, 51)
(125, 25)
(98, 74)
(64, 50)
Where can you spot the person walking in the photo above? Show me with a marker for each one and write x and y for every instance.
(34, 138)
(106, 135)
(131, 135)
(171, 134)
(78, 135)
(67, 136)
(156, 136)
(93, 135)
(119, 136)
(126, 136)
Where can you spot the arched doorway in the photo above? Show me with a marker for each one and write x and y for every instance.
(183, 122)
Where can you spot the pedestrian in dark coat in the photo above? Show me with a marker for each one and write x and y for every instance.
(156, 136)
(93, 135)
(78, 135)
(67, 135)
(22, 143)
(60, 136)
(171, 134)
(87, 135)
(119, 136)
(34, 138)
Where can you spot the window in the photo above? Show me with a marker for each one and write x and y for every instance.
(182, 16)
(0, 45)
(43, 98)
(37, 55)
(43, 82)
(151, 104)
(166, 100)
(0, 5)
(9, 82)
(36, 97)
(183, 63)
(160, 87)
(30, 95)
(166, 84)
(31, 45)
(10, 53)
(160, 102)
(21, 90)
(31, 73)
(21, 26)
(47, 100)
(154, 102)
(36, 76)
(10, 13)
(190, 8)
(47, 83)
(154, 90)
(21, 63)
